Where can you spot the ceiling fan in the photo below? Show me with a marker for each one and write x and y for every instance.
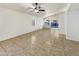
(37, 7)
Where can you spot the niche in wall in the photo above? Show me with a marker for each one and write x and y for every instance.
(33, 22)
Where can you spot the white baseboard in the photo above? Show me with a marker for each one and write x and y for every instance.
(12, 36)
(69, 38)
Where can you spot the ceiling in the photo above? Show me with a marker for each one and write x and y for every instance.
(23, 7)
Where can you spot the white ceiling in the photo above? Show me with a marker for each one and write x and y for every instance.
(49, 7)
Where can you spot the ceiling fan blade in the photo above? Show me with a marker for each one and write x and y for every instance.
(41, 10)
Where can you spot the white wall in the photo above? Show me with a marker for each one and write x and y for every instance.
(73, 25)
(62, 23)
(13, 23)
(61, 17)
(69, 24)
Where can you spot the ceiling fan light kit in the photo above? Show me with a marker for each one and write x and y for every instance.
(37, 11)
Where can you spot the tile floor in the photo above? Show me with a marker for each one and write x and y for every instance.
(39, 43)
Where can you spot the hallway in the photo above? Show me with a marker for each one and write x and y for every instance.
(39, 43)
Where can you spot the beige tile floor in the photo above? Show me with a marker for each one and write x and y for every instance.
(39, 43)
